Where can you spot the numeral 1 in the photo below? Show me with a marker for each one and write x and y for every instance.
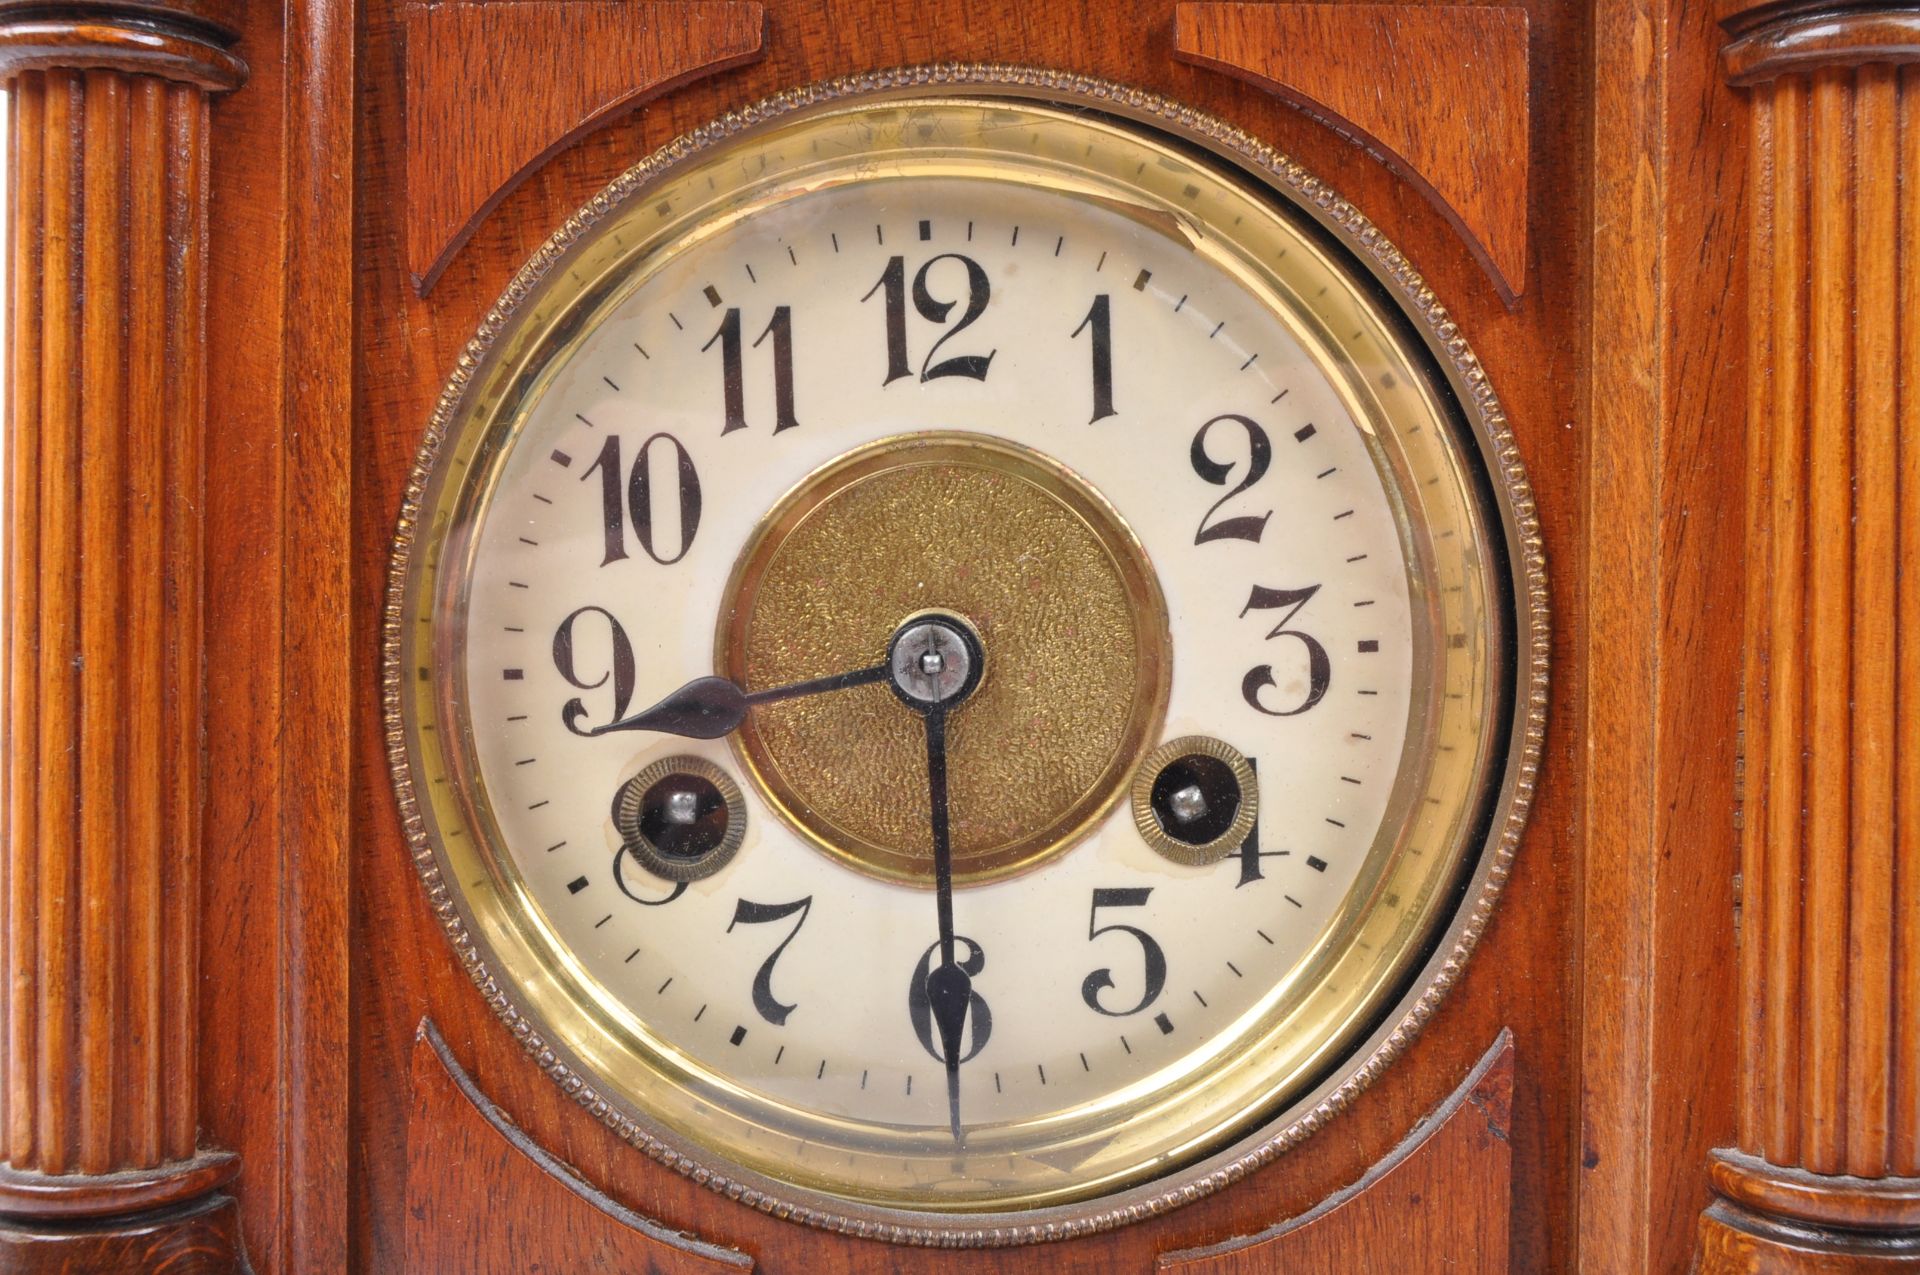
(1099, 319)
(893, 281)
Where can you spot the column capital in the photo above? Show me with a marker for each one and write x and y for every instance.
(183, 43)
(1799, 37)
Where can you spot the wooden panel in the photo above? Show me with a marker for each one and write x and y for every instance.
(1661, 639)
(315, 646)
(1461, 137)
(477, 124)
(468, 1167)
(1459, 1153)
(280, 635)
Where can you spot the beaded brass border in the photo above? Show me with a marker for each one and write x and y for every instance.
(1513, 498)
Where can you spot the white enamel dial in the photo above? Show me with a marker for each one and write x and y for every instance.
(1188, 347)
(1308, 589)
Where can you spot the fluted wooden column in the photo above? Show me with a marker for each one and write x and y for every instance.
(1827, 1172)
(99, 866)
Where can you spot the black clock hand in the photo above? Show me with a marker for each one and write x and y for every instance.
(949, 987)
(936, 662)
(709, 707)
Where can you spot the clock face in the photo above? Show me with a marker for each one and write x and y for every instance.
(954, 658)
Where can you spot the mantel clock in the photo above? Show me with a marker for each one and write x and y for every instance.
(694, 634)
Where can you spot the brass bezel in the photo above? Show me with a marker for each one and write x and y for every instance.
(1516, 658)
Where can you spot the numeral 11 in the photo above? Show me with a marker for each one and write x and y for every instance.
(732, 374)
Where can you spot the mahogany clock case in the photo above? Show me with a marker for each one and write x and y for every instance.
(345, 188)
(401, 379)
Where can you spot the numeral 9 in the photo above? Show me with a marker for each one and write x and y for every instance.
(619, 668)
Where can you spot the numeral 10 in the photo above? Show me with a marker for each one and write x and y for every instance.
(635, 496)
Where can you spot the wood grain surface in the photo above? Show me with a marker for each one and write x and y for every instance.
(468, 1167)
(1622, 363)
(1520, 975)
(100, 860)
(103, 584)
(476, 126)
(1459, 1152)
(1461, 138)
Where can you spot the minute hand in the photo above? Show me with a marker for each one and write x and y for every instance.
(949, 987)
(709, 707)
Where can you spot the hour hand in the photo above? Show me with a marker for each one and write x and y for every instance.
(709, 707)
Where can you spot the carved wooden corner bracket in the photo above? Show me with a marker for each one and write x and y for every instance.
(475, 129)
(1459, 1151)
(101, 1166)
(1462, 141)
(467, 1163)
(1827, 1172)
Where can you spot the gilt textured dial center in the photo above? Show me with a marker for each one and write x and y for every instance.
(1057, 588)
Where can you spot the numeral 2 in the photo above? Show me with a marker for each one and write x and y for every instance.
(1259, 457)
